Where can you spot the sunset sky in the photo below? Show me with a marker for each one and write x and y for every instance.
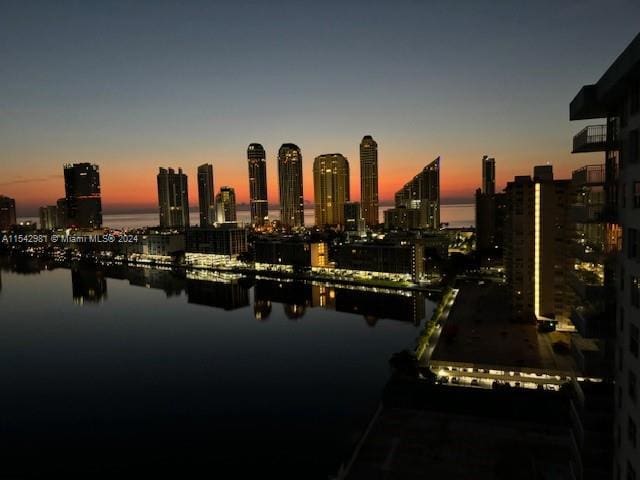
(133, 86)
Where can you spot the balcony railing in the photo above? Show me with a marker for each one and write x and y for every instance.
(589, 175)
(593, 139)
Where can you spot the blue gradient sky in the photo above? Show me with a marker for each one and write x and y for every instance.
(135, 85)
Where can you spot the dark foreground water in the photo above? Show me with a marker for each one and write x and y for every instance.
(118, 372)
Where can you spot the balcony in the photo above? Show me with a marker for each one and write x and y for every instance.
(593, 139)
(589, 175)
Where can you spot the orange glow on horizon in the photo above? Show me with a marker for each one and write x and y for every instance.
(129, 183)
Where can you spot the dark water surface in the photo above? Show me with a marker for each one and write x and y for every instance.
(147, 372)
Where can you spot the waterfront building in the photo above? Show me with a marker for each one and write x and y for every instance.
(223, 240)
(401, 261)
(258, 184)
(226, 205)
(291, 253)
(48, 217)
(173, 199)
(83, 203)
(7, 212)
(331, 189)
(206, 195)
(290, 184)
(422, 194)
(615, 98)
(369, 180)
(537, 238)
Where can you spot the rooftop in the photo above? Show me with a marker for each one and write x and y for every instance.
(487, 337)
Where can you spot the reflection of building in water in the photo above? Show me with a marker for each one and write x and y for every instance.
(88, 285)
(408, 308)
(297, 296)
(157, 279)
(226, 295)
(261, 309)
(294, 311)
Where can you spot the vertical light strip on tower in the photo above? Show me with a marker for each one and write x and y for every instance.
(536, 253)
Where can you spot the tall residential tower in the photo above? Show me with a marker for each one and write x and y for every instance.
(615, 100)
(82, 195)
(257, 184)
(7, 212)
(173, 198)
(331, 188)
(369, 180)
(290, 183)
(206, 195)
(226, 205)
(420, 197)
(488, 175)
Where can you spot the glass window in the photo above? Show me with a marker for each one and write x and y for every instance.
(633, 340)
(634, 284)
(636, 194)
(632, 386)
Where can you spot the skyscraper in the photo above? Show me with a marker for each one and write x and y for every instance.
(422, 193)
(173, 198)
(206, 195)
(48, 217)
(290, 183)
(7, 212)
(369, 180)
(490, 208)
(257, 184)
(353, 221)
(226, 205)
(537, 245)
(331, 188)
(615, 100)
(488, 175)
(82, 195)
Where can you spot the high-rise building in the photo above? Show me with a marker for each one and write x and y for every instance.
(490, 209)
(369, 180)
(615, 98)
(226, 205)
(61, 206)
(290, 183)
(353, 221)
(48, 217)
(422, 193)
(206, 195)
(331, 188)
(257, 184)
(7, 212)
(173, 198)
(488, 175)
(594, 251)
(82, 195)
(537, 238)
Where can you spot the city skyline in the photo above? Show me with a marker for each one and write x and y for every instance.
(504, 92)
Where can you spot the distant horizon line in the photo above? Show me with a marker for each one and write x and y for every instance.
(240, 206)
